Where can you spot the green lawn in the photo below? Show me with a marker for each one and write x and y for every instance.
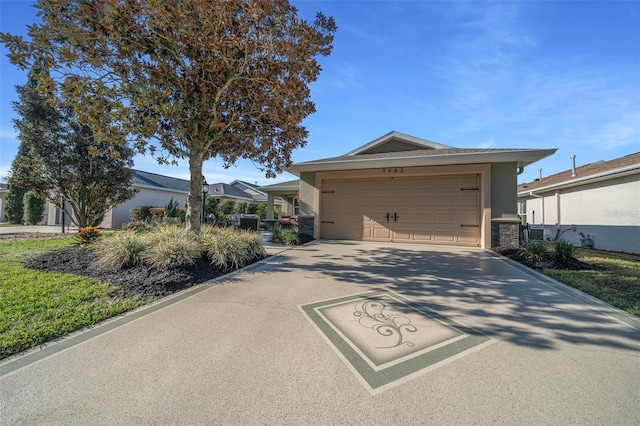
(36, 307)
(615, 279)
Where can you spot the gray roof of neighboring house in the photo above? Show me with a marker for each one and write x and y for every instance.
(159, 181)
(226, 190)
(282, 186)
(599, 169)
(250, 189)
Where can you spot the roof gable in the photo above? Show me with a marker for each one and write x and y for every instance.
(396, 142)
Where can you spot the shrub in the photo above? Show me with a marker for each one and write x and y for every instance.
(87, 235)
(157, 213)
(564, 250)
(287, 236)
(121, 249)
(171, 246)
(534, 251)
(141, 214)
(227, 248)
(171, 209)
(33, 208)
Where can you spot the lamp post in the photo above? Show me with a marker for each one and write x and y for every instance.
(205, 190)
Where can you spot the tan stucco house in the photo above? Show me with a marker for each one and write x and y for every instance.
(596, 204)
(402, 188)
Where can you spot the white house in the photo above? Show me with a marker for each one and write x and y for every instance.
(597, 204)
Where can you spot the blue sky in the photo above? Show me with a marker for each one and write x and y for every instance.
(501, 74)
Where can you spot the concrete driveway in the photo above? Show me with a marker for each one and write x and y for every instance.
(345, 333)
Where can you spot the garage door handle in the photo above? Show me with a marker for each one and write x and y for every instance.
(472, 226)
(326, 221)
(388, 216)
(395, 217)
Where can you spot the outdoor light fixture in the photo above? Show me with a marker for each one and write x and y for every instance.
(205, 190)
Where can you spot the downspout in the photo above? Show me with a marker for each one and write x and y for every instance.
(542, 199)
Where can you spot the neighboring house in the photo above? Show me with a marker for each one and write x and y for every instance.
(598, 201)
(225, 191)
(287, 193)
(153, 190)
(400, 188)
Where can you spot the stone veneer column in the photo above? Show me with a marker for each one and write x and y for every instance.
(505, 233)
(305, 224)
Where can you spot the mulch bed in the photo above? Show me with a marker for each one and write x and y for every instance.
(549, 261)
(138, 280)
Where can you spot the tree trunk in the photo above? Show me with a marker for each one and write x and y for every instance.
(194, 199)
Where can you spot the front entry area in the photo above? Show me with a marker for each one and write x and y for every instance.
(443, 209)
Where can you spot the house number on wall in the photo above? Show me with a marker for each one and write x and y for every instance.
(393, 170)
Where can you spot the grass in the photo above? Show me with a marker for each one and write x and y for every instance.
(614, 278)
(36, 307)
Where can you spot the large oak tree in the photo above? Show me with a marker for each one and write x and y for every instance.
(191, 79)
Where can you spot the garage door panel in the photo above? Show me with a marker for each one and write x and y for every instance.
(444, 236)
(468, 182)
(443, 218)
(401, 234)
(422, 217)
(443, 200)
(467, 237)
(470, 218)
(381, 233)
(422, 201)
(468, 200)
(422, 235)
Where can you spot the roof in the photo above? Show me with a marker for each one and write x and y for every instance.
(424, 157)
(154, 180)
(397, 149)
(288, 186)
(225, 190)
(598, 170)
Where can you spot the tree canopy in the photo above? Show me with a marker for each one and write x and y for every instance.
(191, 79)
(60, 158)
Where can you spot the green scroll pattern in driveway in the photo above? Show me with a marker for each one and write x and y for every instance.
(386, 339)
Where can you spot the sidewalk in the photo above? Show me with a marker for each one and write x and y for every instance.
(36, 229)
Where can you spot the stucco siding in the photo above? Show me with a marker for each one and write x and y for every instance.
(504, 190)
(145, 197)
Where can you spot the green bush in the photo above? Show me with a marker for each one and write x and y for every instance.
(171, 209)
(287, 236)
(141, 214)
(534, 251)
(33, 208)
(564, 250)
(121, 249)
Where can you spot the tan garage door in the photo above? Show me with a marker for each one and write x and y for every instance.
(429, 209)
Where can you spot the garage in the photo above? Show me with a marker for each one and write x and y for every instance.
(419, 209)
(400, 188)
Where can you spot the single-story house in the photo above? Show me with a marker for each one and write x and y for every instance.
(406, 189)
(240, 191)
(596, 204)
(153, 190)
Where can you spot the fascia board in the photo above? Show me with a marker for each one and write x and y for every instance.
(584, 180)
(521, 157)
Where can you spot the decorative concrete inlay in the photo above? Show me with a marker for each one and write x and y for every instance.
(387, 339)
